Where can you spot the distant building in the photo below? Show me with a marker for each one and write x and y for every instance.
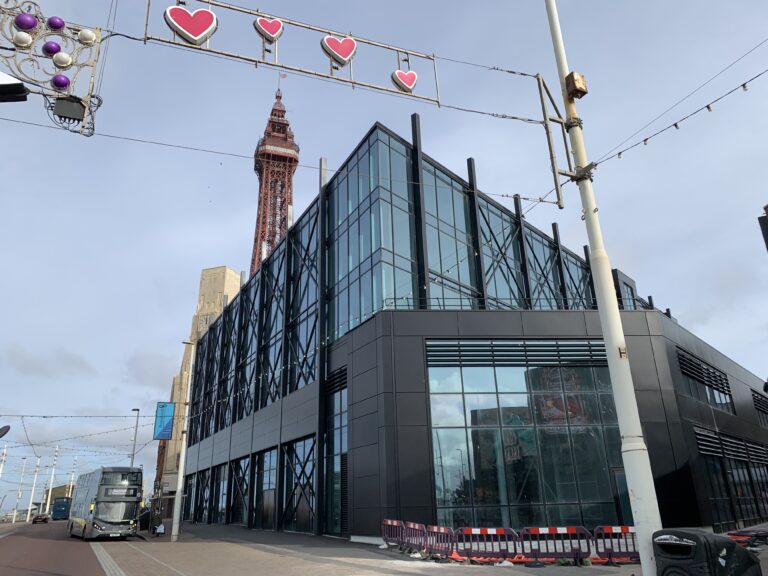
(217, 288)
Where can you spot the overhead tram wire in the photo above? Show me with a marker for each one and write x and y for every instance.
(683, 99)
(674, 125)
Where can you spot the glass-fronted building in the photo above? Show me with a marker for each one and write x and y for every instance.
(414, 350)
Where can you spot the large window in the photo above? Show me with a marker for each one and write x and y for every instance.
(453, 278)
(704, 382)
(336, 512)
(532, 444)
(371, 252)
(299, 489)
(219, 485)
(265, 492)
(240, 473)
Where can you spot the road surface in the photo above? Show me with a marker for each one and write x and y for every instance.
(45, 550)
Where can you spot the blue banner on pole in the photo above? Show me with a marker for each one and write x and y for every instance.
(164, 420)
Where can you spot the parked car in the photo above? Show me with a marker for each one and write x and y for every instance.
(40, 518)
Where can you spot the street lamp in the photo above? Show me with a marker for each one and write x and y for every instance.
(634, 452)
(135, 431)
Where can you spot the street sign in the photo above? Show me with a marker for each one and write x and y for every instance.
(12, 89)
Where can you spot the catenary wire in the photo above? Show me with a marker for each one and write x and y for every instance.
(683, 99)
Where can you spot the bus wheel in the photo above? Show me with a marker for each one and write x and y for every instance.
(69, 529)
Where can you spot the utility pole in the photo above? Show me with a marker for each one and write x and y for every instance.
(135, 431)
(72, 479)
(2, 460)
(32, 493)
(50, 486)
(183, 452)
(637, 465)
(18, 492)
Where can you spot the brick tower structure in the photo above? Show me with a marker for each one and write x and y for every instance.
(276, 158)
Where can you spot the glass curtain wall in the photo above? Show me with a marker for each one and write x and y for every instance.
(202, 496)
(230, 329)
(526, 445)
(246, 376)
(453, 278)
(270, 362)
(336, 519)
(371, 251)
(302, 309)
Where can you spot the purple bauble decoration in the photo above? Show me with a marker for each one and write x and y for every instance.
(60, 82)
(56, 23)
(50, 48)
(25, 21)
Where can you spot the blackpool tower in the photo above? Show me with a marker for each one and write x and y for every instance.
(276, 159)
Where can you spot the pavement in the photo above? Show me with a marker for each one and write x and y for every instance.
(46, 550)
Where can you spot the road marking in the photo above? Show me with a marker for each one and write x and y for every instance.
(108, 564)
(4, 535)
(148, 555)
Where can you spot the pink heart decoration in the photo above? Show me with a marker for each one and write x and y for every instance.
(406, 81)
(195, 28)
(341, 51)
(270, 30)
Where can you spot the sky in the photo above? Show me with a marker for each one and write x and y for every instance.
(102, 240)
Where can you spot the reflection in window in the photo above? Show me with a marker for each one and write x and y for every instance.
(451, 466)
(445, 379)
(478, 379)
(447, 410)
(521, 458)
(487, 465)
(511, 379)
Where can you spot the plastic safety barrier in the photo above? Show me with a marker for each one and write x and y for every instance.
(572, 542)
(486, 545)
(440, 541)
(414, 537)
(392, 532)
(616, 543)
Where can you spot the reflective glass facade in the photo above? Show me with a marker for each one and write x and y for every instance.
(524, 445)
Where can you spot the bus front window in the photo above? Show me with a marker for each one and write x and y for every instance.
(115, 512)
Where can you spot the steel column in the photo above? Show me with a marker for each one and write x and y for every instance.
(474, 218)
(422, 258)
(322, 349)
(560, 265)
(528, 304)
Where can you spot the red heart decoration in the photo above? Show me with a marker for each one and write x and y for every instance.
(270, 30)
(406, 81)
(195, 28)
(341, 51)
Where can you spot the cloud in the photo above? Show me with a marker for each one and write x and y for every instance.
(55, 364)
(150, 369)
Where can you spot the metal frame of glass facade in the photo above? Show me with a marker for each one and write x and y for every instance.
(392, 229)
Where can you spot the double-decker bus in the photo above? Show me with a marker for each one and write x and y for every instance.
(105, 503)
(60, 508)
